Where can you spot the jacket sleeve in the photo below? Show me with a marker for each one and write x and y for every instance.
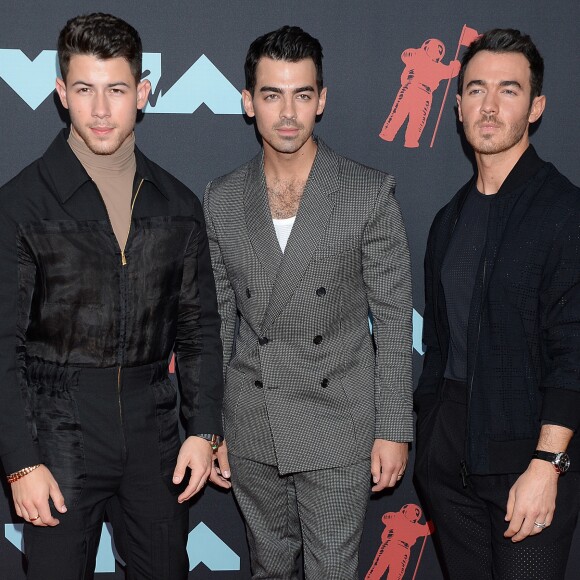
(18, 448)
(225, 293)
(433, 359)
(560, 326)
(198, 347)
(387, 277)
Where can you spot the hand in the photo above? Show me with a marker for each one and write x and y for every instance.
(532, 498)
(220, 473)
(455, 67)
(31, 493)
(195, 453)
(388, 463)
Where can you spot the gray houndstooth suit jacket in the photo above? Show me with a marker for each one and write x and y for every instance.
(306, 388)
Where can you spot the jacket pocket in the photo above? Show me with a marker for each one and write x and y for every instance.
(167, 418)
(60, 437)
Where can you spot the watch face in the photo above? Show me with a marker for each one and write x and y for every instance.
(562, 462)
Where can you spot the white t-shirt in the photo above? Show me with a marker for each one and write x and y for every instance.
(283, 228)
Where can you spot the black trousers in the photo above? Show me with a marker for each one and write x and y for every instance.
(124, 444)
(469, 518)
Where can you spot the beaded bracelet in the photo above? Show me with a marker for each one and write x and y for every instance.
(21, 473)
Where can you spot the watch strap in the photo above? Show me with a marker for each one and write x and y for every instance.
(560, 460)
(213, 439)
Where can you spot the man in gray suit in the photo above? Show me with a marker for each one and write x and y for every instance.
(304, 244)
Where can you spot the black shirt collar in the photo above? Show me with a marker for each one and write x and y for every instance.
(527, 166)
(68, 174)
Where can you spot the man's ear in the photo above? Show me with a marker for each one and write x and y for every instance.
(248, 103)
(61, 90)
(537, 108)
(458, 100)
(143, 90)
(321, 101)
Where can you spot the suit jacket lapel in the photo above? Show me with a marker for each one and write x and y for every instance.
(259, 219)
(309, 228)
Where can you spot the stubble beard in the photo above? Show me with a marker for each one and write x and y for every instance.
(495, 143)
(102, 146)
(290, 144)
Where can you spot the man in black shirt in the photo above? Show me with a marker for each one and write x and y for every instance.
(498, 401)
(105, 272)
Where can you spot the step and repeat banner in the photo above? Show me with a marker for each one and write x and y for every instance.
(379, 56)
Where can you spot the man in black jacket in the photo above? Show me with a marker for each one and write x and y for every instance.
(498, 401)
(105, 272)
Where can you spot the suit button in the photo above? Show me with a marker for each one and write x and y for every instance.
(263, 340)
(248, 293)
(321, 291)
(324, 383)
(317, 339)
(259, 384)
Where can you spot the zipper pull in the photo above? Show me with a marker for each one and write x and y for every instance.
(123, 258)
(464, 473)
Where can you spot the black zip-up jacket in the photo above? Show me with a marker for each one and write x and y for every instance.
(70, 298)
(523, 342)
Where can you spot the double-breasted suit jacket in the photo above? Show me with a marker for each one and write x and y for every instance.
(307, 385)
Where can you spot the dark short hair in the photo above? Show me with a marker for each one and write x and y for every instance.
(507, 40)
(101, 35)
(289, 43)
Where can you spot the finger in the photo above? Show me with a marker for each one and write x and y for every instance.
(29, 510)
(223, 464)
(27, 516)
(46, 517)
(383, 482)
(510, 506)
(179, 471)
(220, 472)
(197, 480)
(216, 478)
(57, 498)
(394, 473)
(18, 510)
(375, 468)
(524, 531)
(188, 492)
(394, 478)
(33, 516)
(516, 522)
(193, 488)
(540, 524)
(40, 508)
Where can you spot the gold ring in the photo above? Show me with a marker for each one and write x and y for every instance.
(34, 519)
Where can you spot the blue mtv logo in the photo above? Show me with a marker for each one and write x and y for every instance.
(203, 547)
(203, 83)
(417, 331)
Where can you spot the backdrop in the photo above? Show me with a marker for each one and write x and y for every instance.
(193, 126)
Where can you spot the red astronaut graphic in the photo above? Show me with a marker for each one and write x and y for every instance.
(401, 532)
(422, 74)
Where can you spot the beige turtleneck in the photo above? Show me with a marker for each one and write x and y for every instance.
(114, 175)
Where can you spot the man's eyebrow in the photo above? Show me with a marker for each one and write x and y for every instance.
(476, 82)
(304, 89)
(115, 84)
(482, 83)
(510, 84)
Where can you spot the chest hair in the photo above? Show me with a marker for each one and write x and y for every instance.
(284, 197)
